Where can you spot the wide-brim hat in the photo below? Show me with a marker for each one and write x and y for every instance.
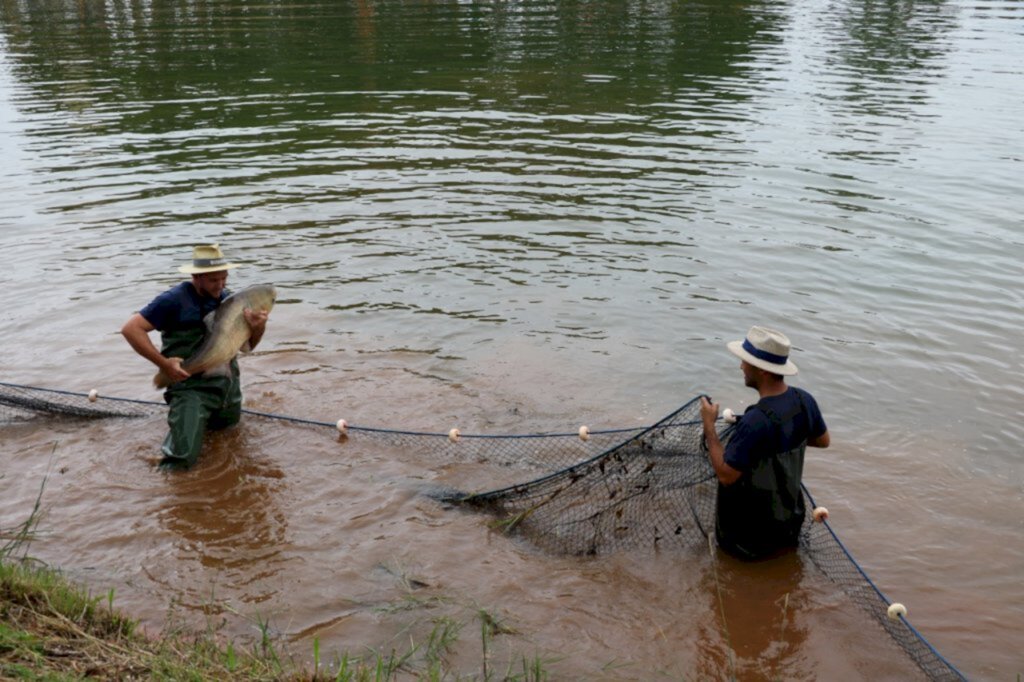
(207, 258)
(765, 349)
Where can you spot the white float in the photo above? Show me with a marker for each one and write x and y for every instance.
(896, 610)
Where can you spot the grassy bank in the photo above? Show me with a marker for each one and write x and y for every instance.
(51, 629)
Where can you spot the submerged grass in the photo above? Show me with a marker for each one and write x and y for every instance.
(51, 629)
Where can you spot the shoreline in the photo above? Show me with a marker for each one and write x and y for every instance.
(51, 628)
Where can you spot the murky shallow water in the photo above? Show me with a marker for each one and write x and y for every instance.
(521, 219)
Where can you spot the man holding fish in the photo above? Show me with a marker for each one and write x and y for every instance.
(202, 329)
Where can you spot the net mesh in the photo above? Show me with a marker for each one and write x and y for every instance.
(822, 546)
(544, 452)
(614, 490)
(22, 403)
(655, 489)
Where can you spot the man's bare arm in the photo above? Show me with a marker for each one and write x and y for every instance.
(716, 451)
(136, 332)
(257, 320)
(821, 441)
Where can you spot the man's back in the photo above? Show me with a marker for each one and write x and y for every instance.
(761, 513)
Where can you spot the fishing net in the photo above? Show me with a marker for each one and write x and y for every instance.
(655, 489)
(822, 546)
(599, 492)
(544, 452)
(22, 403)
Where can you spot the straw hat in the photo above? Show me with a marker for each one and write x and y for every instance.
(207, 258)
(766, 349)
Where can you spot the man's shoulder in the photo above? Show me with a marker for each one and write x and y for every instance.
(805, 397)
(791, 397)
(174, 293)
(755, 414)
(795, 402)
(754, 421)
(762, 414)
(167, 305)
(802, 392)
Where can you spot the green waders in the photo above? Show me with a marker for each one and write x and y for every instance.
(197, 403)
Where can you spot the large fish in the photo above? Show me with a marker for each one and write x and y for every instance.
(227, 332)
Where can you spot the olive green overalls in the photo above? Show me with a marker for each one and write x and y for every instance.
(197, 403)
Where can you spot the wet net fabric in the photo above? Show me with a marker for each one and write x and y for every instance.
(22, 403)
(547, 452)
(540, 452)
(643, 489)
(655, 490)
(819, 542)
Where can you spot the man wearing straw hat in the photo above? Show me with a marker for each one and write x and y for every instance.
(196, 402)
(760, 505)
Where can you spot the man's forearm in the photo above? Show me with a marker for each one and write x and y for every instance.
(257, 320)
(255, 337)
(716, 453)
(140, 343)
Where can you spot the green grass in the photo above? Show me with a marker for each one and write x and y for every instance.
(51, 629)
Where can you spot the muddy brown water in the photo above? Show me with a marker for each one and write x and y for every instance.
(313, 535)
(521, 219)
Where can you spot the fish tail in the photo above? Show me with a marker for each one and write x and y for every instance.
(161, 380)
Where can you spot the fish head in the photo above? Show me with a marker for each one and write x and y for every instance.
(259, 296)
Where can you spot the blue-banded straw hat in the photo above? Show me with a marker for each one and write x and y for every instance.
(207, 258)
(766, 349)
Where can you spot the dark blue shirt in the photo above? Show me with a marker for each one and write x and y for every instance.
(756, 437)
(179, 308)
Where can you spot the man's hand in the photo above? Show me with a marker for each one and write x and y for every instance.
(136, 331)
(173, 369)
(257, 319)
(708, 412)
(716, 453)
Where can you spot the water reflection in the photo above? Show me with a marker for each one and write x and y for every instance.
(894, 38)
(308, 117)
(226, 512)
(754, 632)
(576, 54)
(885, 54)
(526, 195)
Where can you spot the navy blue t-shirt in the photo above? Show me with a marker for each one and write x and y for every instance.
(755, 437)
(180, 307)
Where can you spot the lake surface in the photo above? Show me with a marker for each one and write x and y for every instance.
(516, 218)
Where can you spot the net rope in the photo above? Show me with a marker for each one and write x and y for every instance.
(601, 492)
